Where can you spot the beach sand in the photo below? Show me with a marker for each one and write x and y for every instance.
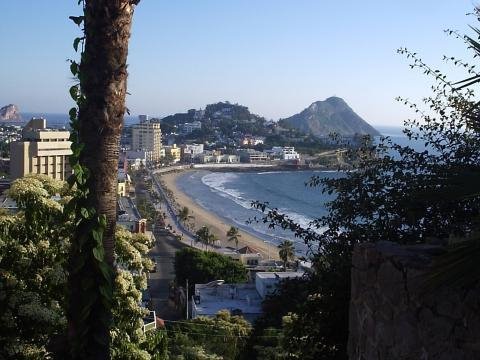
(217, 225)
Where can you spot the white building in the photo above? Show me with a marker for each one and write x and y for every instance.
(216, 158)
(246, 255)
(239, 299)
(190, 151)
(41, 151)
(147, 137)
(286, 152)
(188, 128)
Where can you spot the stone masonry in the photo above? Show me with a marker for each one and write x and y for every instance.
(393, 316)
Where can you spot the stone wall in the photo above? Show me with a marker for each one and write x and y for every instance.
(393, 317)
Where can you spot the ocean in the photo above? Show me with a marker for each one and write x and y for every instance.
(230, 195)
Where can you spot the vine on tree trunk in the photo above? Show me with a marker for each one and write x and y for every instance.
(88, 271)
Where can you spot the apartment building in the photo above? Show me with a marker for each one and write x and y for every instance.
(285, 152)
(147, 136)
(41, 151)
(252, 156)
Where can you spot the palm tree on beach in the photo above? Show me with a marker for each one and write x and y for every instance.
(212, 239)
(234, 235)
(184, 214)
(203, 235)
(286, 252)
(206, 237)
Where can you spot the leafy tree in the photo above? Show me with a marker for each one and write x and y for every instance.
(168, 159)
(223, 335)
(201, 267)
(146, 209)
(157, 345)
(130, 279)
(234, 235)
(286, 252)
(34, 244)
(205, 236)
(34, 247)
(184, 214)
(398, 194)
(181, 347)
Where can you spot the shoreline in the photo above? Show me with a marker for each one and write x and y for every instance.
(217, 225)
(244, 168)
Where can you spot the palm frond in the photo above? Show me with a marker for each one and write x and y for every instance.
(458, 267)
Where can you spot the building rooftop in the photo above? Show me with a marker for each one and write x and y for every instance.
(279, 274)
(247, 250)
(241, 299)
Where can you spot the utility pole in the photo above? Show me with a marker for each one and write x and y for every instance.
(187, 299)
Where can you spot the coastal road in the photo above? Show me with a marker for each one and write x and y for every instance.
(164, 254)
(171, 218)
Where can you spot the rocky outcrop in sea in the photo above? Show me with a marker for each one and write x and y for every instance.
(10, 112)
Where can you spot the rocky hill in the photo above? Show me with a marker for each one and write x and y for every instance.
(330, 116)
(224, 117)
(10, 112)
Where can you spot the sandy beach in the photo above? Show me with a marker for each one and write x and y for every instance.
(217, 225)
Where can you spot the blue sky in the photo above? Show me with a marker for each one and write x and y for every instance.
(275, 56)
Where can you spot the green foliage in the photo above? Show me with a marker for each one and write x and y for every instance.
(400, 195)
(221, 337)
(33, 247)
(147, 210)
(286, 252)
(130, 280)
(205, 236)
(201, 267)
(184, 214)
(234, 235)
(309, 321)
(156, 345)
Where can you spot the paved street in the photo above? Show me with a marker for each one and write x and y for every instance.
(164, 254)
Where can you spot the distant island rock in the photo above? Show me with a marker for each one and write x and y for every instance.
(10, 112)
(330, 116)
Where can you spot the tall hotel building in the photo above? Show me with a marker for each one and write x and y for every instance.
(147, 136)
(41, 151)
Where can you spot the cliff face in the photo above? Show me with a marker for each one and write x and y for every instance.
(330, 116)
(10, 112)
(392, 316)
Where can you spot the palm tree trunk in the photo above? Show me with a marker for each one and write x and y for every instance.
(103, 80)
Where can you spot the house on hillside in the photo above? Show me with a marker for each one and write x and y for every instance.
(240, 299)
